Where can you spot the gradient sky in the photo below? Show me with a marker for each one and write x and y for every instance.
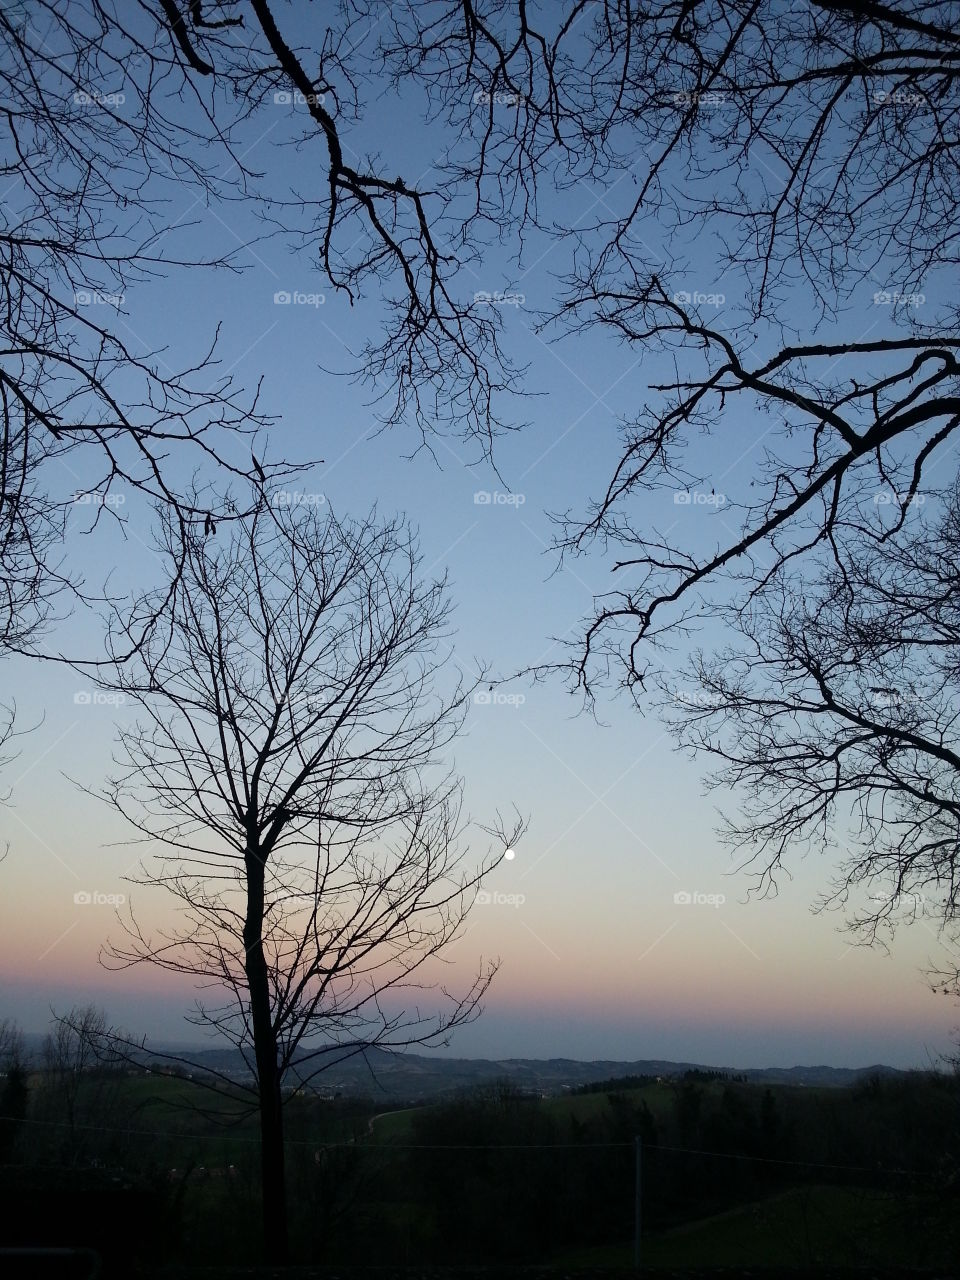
(597, 959)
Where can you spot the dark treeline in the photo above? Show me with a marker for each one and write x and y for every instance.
(614, 1083)
(583, 1193)
(619, 1083)
(494, 1176)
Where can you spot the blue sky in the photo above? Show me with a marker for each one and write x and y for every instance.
(598, 960)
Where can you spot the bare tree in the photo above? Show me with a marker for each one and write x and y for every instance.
(815, 152)
(79, 1082)
(813, 149)
(835, 718)
(816, 147)
(438, 359)
(8, 734)
(91, 148)
(14, 1089)
(296, 708)
(12, 1047)
(112, 116)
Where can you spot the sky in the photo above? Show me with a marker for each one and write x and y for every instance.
(602, 954)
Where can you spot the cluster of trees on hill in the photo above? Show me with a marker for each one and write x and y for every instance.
(708, 1145)
(618, 1084)
(554, 1174)
(614, 1083)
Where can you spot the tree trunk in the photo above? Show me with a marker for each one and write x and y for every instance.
(273, 1182)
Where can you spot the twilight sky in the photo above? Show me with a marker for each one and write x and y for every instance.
(598, 959)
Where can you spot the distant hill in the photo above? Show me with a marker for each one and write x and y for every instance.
(418, 1077)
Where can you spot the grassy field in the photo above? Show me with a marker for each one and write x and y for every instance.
(394, 1126)
(808, 1226)
(346, 1179)
(397, 1126)
(584, 1106)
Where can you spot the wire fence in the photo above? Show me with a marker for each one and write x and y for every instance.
(168, 1135)
(424, 1189)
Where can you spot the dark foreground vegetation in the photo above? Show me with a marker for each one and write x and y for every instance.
(139, 1167)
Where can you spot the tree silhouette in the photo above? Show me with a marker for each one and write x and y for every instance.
(814, 150)
(296, 708)
(834, 717)
(111, 114)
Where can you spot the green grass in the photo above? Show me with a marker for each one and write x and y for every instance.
(807, 1226)
(394, 1126)
(585, 1106)
(398, 1126)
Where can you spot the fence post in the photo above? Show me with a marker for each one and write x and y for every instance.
(637, 1205)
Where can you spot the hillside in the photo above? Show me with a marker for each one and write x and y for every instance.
(418, 1077)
